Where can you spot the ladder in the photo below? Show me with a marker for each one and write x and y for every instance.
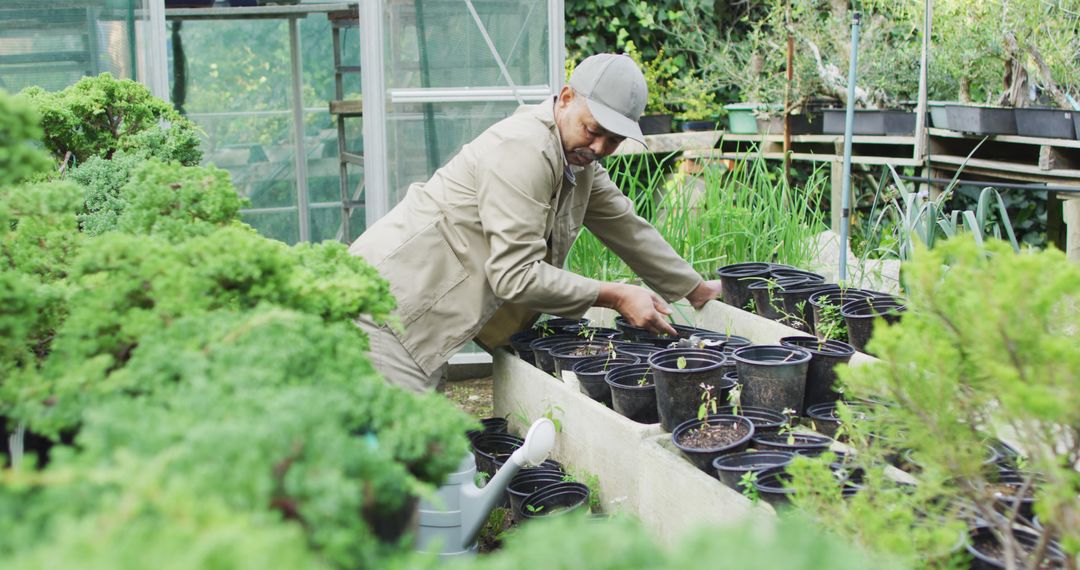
(343, 110)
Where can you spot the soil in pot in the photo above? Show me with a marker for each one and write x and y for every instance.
(825, 355)
(492, 449)
(828, 322)
(731, 468)
(860, 314)
(541, 348)
(566, 356)
(772, 376)
(633, 392)
(703, 441)
(795, 442)
(527, 482)
(591, 374)
(642, 351)
(766, 295)
(666, 341)
(735, 281)
(592, 333)
(765, 421)
(681, 376)
(989, 554)
(556, 500)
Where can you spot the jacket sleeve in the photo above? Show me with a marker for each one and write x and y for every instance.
(515, 185)
(611, 217)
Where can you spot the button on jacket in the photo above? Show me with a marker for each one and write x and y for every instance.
(490, 232)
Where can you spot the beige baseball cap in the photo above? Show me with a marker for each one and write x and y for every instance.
(615, 92)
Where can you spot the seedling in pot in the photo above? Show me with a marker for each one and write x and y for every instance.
(644, 380)
(788, 427)
(680, 362)
(734, 398)
(831, 324)
(587, 333)
(544, 330)
(610, 354)
(708, 402)
(747, 483)
(533, 508)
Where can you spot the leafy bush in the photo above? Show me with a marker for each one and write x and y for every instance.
(41, 236)
(21, 159)
(99, 115)
(176, 201)
(965, 366)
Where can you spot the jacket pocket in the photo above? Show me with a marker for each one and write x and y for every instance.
(421, 271)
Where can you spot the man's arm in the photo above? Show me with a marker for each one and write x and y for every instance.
(611, 217)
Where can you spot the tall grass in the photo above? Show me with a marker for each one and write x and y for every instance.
(716, 217)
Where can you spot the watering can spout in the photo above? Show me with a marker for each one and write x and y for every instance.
(481, 500)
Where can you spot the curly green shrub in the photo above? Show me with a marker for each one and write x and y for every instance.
(41, 236)
(21, 155)
(176, 201)
(966, 364)
(129, 516)
(98, 115)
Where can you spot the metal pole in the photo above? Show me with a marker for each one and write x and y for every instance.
(298, 132)
(845, 200)
(924, 59)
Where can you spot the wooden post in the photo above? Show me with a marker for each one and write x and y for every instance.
(837, 195)
(1071, 214)
(920, 108)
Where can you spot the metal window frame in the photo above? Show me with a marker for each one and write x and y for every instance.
(377, 96)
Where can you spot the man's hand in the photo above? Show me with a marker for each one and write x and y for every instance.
(639, 306)
(703, 293)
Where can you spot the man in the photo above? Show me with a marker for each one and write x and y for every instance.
(477, 250)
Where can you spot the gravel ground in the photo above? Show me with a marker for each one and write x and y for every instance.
(472, 396)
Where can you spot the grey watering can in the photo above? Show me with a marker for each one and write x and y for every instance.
(450, 522)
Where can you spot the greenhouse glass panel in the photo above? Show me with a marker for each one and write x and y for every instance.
(440, 72)
(54, 43)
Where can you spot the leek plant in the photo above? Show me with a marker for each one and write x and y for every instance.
(719, 216)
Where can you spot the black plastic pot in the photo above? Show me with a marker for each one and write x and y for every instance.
(527, 482)
(870, 122)
(860, 314)
(703, 457)
(730, 468)
(492, 449)
(772, 376)
(1015, 480)
(771, 486)
(797, 442)
(589, 332)
(555, 500)
(796, 300)
(727, 341)
(825, 419)
(810, 276)
(735, 281)
(820, 374)
(1044, 122)
(541, 348)
(561, 325)
(490, 425)
(835, 298)
(591, 373)
(990, 459)
(678, 391)
(520, 342)
(565, 357)
(766, 295)
(631, 398)
(982, 536)
(655, 124)
(981, 120)
(664, 341)
(765, 421)
(642, 351)
(630, 332)
(697, 126)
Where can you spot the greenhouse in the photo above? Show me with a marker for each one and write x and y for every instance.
(540, 284)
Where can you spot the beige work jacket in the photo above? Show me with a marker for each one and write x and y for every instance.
(492, 229)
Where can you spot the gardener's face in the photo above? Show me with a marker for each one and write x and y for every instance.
(583, 139)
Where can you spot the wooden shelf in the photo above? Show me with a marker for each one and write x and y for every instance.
(946, 133)
(348, 108)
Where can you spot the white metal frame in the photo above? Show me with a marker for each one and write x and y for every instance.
(377, 95)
